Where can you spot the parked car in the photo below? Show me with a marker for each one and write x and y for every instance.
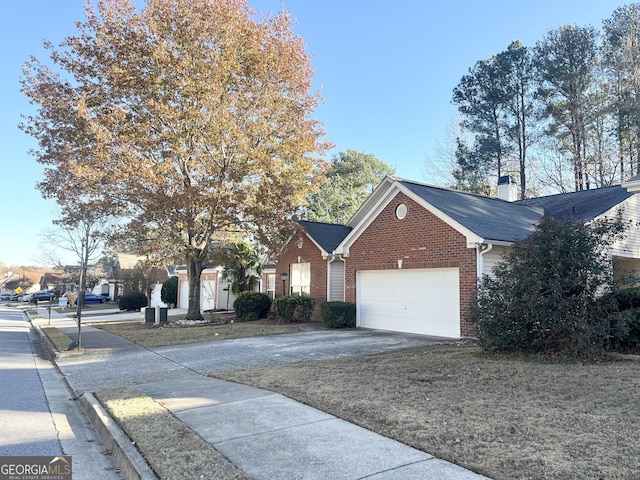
(5, 297)
(26, 297)
(92, 298)
(41, 295)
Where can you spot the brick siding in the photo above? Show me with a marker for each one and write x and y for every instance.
(420, 240)
(308, 253)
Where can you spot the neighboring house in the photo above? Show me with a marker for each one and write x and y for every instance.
(215, 291)
(28, 280)
(124, 268)
(412, 255)
(56, 281)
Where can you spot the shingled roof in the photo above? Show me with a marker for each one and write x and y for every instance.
(490, 218)
(327, 235)
(580, 206)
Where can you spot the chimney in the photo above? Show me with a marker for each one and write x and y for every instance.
(507, 188)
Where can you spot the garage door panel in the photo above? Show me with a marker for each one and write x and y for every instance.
(424, 301)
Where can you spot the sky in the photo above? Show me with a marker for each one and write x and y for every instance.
(386, 70)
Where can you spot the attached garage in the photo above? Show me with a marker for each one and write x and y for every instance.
(422, 301)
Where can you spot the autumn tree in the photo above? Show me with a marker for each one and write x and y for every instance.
(189, 118)
(351, 177)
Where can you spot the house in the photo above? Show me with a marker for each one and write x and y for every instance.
(411, 257)
(215, 290)
(128, 271)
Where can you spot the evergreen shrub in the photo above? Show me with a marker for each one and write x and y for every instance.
(338, 314)
(251, 306)
(132, 301)
(292, 308)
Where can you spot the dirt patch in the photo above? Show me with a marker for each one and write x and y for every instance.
(504, 417)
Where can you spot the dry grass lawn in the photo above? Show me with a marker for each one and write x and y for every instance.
(151, 335)
(507, 418)
(172, 449)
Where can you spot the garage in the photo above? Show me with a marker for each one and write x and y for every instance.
(422, 301)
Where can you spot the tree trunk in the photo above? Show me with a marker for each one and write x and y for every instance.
(194, 271)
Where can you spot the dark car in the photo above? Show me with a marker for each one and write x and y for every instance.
(91, 298)
(5, 296)
(42, 295)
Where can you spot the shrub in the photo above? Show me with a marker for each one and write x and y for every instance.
(545, 296)
(294, 307)
(338, 314)
(132, 301)
(251, 306)
(169, 291)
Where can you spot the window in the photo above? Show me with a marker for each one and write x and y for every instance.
(271, 285)
(300, 279)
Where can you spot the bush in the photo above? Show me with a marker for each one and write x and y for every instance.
(338, 314)
(294, 307)
(132, 301)
(545, 297)
(251, 306)
(169, 291)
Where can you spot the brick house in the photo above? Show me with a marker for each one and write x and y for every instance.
(412, 255)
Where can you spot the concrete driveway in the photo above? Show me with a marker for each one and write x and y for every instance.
(124, 363)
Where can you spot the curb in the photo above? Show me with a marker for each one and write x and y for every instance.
(125, 455)
(132, 464)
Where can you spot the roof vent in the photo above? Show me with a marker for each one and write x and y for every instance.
(507, 188)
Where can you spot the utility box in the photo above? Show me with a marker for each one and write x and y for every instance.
(148, 315)
(161, 315)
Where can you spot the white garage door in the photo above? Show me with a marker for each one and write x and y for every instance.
(207, 295)
(424, 301)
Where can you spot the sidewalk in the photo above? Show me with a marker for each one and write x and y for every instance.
(270, 436)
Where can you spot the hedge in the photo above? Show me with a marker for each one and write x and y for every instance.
(251, 306)
(294, 307)
(338, 314)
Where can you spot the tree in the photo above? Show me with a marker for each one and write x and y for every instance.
(242, 266)
(189, 118)
(546, 296)
(71, 230)
(470, 172)
(565, 60)
(351, 177)
(517, 64)
(621, 49)
(481, 97)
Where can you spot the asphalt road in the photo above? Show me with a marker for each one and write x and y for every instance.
(38, 414)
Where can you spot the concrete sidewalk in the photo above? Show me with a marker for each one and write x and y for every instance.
(264, 434)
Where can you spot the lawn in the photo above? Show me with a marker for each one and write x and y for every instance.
(504, 417)
(173, 333)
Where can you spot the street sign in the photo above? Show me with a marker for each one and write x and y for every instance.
(19, 290)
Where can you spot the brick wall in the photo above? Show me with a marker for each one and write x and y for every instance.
(307, 253)
(420, 240)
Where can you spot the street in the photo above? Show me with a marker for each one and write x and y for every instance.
(38, 414)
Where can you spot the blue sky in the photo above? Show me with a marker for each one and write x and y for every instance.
(386, 69)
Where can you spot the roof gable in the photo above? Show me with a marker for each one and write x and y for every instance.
(326, 235)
